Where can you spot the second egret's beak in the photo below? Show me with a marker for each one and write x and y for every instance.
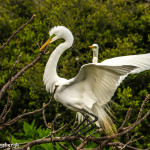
(91, 47)
(46, 43)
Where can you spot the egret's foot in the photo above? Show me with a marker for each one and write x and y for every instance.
(88, 124)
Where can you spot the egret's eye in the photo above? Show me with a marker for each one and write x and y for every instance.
(52, 36)
(94, 46)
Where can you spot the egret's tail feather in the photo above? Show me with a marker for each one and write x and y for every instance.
(104, 121)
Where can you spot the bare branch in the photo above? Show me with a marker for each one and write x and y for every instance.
(128, 142)
(62, 146)
(44, 119)
(5, 111)
(3, 114)
(73, 146)
(10, 122)
(38, 45)
(4, 117)
(82, 144)
(10, 38)
(20, 73)
(142, 107)
(126, 119)
(119, 144)
(82, 122)
(129, 128)
(17, 61)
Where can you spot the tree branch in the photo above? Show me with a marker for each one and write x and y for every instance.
(10, 122)
(10, 38)
(21, 72)
(142, 107)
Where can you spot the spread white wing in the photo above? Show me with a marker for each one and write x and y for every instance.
(100, 82)
(142, 61)
(102, 79)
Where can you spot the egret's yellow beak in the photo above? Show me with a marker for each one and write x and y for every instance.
(46, 43)
(91, 47)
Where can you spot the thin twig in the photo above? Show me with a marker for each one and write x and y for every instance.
(61, 128)
(44, 119)
(82, 122)
(90, 135)
(136, 139)
(38, 45)
(142, 107)
(73, 146)
(126, 118)
(5, 112)
(128, 142)
(74, 125)
(116, 144)
(12, 121)
(82, 144)
(21, 72)
(6, 106)
(62, 146)
(4, 117)
(127, 137)
(10, 38)
(17, 61)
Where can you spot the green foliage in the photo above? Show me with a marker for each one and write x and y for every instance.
(30, 133)
(119, 27)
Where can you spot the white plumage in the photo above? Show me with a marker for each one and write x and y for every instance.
(95, 83)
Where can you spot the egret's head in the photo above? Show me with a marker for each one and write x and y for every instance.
(59, 32)
(94, 48)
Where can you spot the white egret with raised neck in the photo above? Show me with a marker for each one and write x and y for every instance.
(92, 88)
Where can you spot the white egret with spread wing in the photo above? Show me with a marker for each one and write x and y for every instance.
(94, 85)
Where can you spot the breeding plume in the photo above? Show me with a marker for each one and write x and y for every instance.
(92, 88)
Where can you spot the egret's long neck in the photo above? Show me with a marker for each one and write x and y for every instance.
(50, 74)
(95, 57)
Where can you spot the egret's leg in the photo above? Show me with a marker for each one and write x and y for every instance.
(87, 118)
(89, 123)
(80, 124)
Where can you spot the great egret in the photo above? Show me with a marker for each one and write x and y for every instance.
(95, 49)
(94, 85)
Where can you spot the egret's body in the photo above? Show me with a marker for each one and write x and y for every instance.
(94, 85)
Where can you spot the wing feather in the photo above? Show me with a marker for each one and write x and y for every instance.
(101, 81)
(142, 61)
